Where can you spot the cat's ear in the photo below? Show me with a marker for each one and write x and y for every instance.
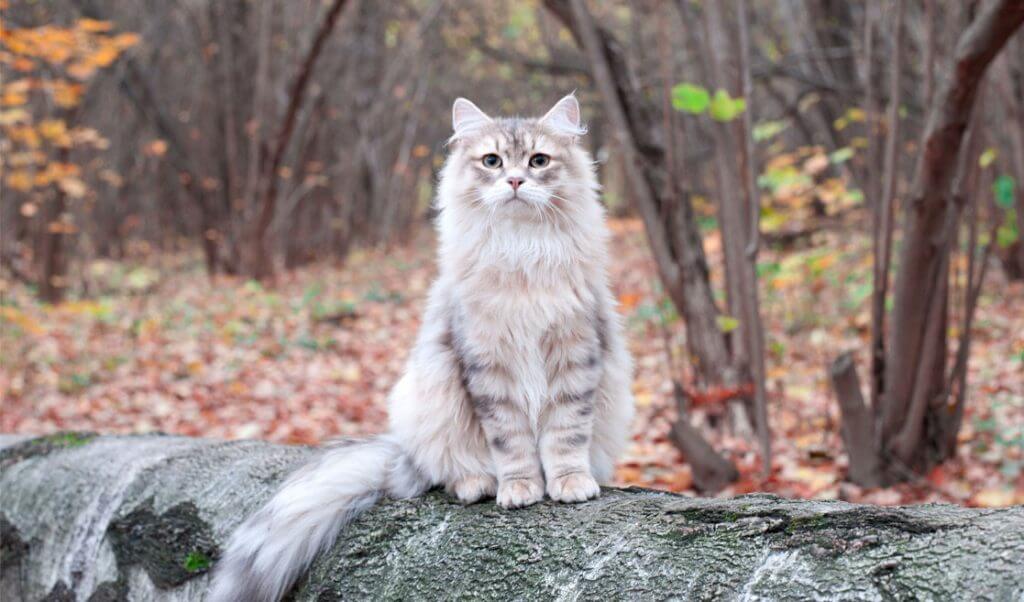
(564, 117)
(466, 116)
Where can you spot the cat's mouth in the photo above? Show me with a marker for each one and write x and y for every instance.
(520, 198)
(514, 197)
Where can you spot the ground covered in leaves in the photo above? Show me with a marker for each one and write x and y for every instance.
(158, 346)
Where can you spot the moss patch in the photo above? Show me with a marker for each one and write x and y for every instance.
(110, 591)
(60, 593)
(172, 547)
(41, 446)
(12, 547)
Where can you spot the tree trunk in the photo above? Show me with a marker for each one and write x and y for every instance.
(857, 429)
(915, 359)
(52, 265)
(53, 281)
(733, 217)
(145, 517)
(753, 327)
(920, 402)
(882, 216)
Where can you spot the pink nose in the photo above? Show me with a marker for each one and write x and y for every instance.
(515, 183)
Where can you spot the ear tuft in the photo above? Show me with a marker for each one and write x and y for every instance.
(564, 117)
(466, 116)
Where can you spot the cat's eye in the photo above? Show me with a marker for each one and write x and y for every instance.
(539, 160)
(491, 160)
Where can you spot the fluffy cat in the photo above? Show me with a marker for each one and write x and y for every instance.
(519, 382)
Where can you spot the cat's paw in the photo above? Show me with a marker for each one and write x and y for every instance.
(473, 488)
(573, 487)
(516, 493)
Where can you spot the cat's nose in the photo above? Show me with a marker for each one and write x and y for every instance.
(515, 183)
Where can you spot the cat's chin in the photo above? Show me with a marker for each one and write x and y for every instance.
(523, 208)
(525, 201)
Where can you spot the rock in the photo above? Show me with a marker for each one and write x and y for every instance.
(96, 518)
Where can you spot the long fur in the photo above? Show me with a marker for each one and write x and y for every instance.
(520, 348)
(276, 544)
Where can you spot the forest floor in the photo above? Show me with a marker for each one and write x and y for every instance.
(159, 347)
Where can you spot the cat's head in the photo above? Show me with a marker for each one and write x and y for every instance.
(514, 166)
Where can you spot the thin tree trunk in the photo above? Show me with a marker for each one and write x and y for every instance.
(733, 219)
(929, 52)
(752, 311)
(53, 265)
(721, 66)
(977, 267)
(260, 263)
(873, 188)
(883, 215)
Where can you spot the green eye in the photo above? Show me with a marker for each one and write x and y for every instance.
(491, 160)
(539, 160)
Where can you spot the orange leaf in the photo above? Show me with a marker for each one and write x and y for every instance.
(94, 26)
(629, 300)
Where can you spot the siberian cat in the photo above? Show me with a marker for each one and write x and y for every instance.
(519, 383)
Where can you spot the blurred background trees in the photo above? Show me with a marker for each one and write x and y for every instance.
(260, 137)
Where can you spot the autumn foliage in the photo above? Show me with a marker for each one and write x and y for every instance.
(47, 72)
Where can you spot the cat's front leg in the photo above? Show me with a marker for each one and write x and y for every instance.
(513, 448)
(565, 447)
(494, 393)
(574, 362)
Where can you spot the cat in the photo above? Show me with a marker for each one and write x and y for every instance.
(519, 381)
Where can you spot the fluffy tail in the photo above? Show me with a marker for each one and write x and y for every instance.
(271, 549)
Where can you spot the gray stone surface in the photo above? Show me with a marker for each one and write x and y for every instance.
(144, 517)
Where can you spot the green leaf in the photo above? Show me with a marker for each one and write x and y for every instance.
(984, 425)
(196, 561)
(1006, 235)
(776, 178)
(689, 98)
(768, 129)
(766, 269)
(772, 220)
(858, 294)
(987, 157)
(1002, 188)
(727, 323)
(725, 108)
(706, 223)
(841, 156)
